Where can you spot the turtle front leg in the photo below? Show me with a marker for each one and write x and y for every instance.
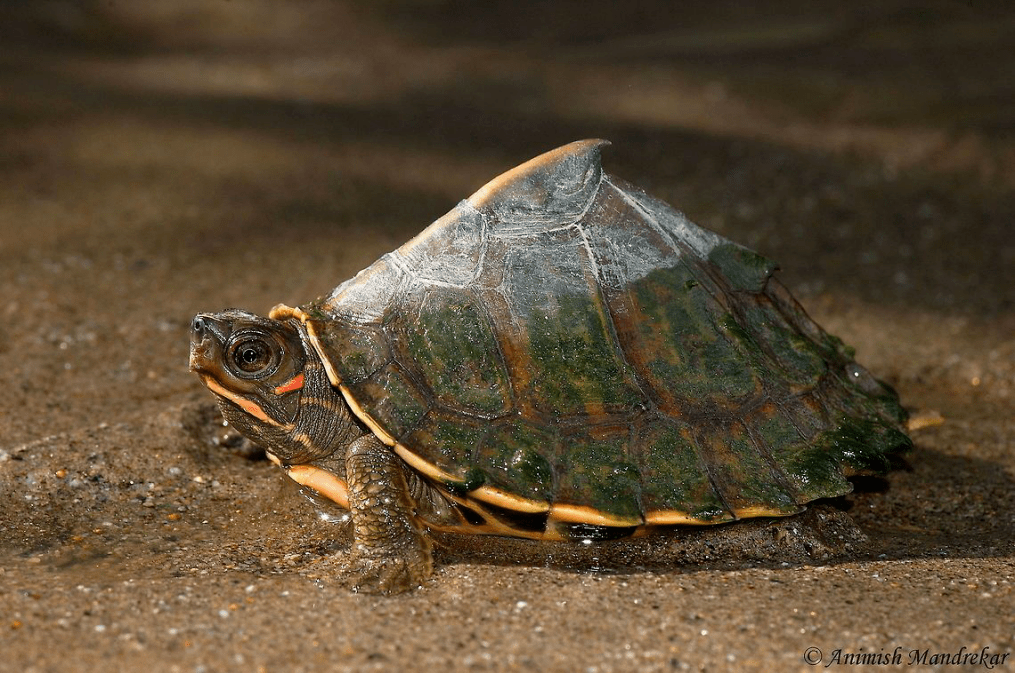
(391, 553)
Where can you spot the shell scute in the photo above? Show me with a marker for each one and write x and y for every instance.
(566, 348)
(446, 335)
(624, 249)
(368, 295)
(391, 399)
(681, 234)
(807, 412)
(812, 475)
(690, 356)
(566, 332)
(795, 357)
(554, 188)
(848, 399)
(364, 348)
(861, 445)
(451, 250)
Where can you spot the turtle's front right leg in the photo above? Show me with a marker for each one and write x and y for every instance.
(391, 553)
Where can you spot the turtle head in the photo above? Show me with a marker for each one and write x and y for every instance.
(271, 384)
(254, 365)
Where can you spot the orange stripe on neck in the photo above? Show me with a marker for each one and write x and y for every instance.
(292, 385)
(251, 408)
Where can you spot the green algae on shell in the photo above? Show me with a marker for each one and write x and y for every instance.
(563, 346)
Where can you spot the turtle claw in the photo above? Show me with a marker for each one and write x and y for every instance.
(387, 575)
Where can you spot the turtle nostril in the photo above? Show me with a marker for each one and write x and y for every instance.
(198, 325)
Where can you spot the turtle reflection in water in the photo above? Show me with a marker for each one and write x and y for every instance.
(561, 356)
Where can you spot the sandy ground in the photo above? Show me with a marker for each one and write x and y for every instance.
(162, 158)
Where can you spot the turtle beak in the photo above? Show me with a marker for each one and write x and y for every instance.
(207, 336)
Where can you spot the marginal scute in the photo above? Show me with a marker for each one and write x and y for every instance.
(598, 469)
(515, 456)
(747, 482)
(675, 483)
(742, 268)
(563, 517)
(861, 445)
(564, 356)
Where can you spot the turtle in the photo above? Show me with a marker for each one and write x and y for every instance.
(559, 357)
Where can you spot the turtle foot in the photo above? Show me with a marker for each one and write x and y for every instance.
(388, 575)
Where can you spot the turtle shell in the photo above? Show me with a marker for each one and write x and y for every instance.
(565, 349)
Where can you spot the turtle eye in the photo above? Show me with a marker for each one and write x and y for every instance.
(254, 357)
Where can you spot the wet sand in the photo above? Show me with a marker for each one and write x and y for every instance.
(163, 158)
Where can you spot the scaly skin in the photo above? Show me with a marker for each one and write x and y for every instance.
(391, 552)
